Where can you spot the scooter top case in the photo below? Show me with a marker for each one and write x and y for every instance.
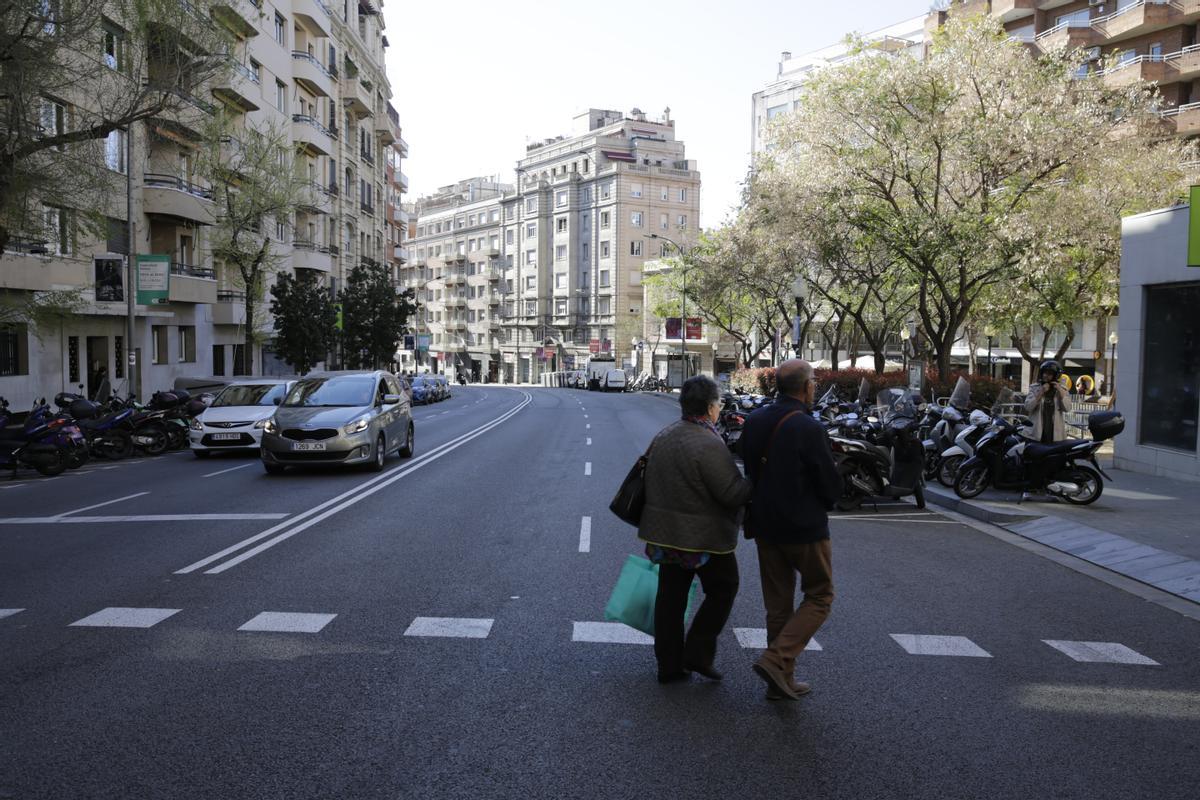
(1104, 425)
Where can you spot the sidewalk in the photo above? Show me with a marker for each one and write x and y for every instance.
(1144, 527)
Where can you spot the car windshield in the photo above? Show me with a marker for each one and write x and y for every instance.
(340, 391)
(258, 394)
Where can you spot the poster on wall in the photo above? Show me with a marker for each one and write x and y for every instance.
(673, 326)
(108, 271)
(153, 279)
(695, 330)
(423, 342)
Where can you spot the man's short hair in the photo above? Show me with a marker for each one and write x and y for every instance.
(792, 381)
(697, 395)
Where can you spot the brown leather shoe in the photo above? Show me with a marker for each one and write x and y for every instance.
(774, 678)
(799, 688)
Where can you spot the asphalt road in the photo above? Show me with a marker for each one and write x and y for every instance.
(481, 539)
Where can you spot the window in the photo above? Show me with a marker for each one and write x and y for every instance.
(508, 236)
(280, 95)
(530, 282)
(560, 252)
(530, 307)
(54, 120)
(510, 212)
(635, 190)
(57, 230)
(187, 343)
(531, 230)
(683, 195)
(635, 247)
(586, 196)
(531, 205)
(585, 252)
(605, 190)
(682, 220)
(604, 250)
(560, 199)
(114, 151)
(560, 224)
(560, 280)
(256, 76)
(1156, 51)
(635, 219)
(531, 258)
(494, 215)
(665, 193)
(114, 47)
(604, 305)
(604, 278)
(775, 111)
(560, 308)
(12, 353)
(280, 230)
(158, 353)
(604, 219)
(280, 29)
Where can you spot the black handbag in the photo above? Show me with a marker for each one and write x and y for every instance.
(631, 497)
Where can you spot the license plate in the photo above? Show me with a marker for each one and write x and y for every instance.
(308, 446)
(226, 436)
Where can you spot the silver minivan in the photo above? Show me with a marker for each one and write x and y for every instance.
(339, 418)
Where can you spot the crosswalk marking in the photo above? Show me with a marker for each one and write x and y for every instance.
(608, 633)
(119, 617)
(1100, 652)
(925, 645)
(756, 639)
(288, 622)
(8, 612)
(587, 468)
(452, 627)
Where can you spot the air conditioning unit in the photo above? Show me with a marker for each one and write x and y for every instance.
(1099, 3)
(1092, 53)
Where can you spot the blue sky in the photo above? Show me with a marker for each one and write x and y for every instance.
(475, 80)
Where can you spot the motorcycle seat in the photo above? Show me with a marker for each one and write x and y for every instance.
(1036, 451)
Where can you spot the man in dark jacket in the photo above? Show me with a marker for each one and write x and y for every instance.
(788, 458)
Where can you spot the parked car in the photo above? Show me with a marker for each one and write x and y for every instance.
(339, 418)
(423, 390)
(615, 381)
(236, 417)
(443, 387)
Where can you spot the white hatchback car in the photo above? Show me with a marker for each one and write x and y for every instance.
(235, 419)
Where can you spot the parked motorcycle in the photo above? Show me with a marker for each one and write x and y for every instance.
(33, 440)
(951, 459)
(108, 433)
(892, 465)
(1006, 460)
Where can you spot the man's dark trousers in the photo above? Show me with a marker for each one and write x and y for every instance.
(719, 580)
(789, 629)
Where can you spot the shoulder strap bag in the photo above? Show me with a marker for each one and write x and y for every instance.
(762, 465)
(631, 497)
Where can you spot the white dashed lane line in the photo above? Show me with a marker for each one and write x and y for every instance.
(587, 468)
(585, 535)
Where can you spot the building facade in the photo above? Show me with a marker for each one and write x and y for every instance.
(546, 274)
(302, 67)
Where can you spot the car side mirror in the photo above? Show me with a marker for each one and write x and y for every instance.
(277, 400)
(391, 399)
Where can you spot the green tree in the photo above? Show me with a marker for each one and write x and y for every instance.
(374, 316)
(305, 319)
(75, 72)
(970, 168)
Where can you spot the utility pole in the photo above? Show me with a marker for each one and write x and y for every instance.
(133, 369)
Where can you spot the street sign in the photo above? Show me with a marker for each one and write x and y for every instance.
(423, 342)
(153, 279)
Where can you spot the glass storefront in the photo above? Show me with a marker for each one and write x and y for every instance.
(1170, 402)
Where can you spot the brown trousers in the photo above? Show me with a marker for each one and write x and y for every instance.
(789, 629)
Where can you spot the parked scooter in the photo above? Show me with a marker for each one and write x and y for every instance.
(108, 433)
(891, 466)
(951, 421)
(1006, 460)
(950, 459)
(28, 440)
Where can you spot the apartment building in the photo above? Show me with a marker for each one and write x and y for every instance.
(563, 250)
(309, 69)
(396, 185)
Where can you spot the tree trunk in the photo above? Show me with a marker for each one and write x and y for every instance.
(879, 361)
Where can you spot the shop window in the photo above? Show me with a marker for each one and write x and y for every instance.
(1170, 407)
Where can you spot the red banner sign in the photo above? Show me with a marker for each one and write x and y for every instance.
(695, 330)
(594, 346)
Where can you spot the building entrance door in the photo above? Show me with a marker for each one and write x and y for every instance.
(98, 371)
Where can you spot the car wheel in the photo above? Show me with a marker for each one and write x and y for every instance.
(274, 469)
(407, 450)
(380, 454)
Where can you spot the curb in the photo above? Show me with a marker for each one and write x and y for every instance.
(1168, 572)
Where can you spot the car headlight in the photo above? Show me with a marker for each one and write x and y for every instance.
(357, 426)
(262, 423)
(196, 425)
(269, 425)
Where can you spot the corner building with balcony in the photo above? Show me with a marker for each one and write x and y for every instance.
(563, 250)
(309, 69)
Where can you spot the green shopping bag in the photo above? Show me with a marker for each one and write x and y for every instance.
(632, 599)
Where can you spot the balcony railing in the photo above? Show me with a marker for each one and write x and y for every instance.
(302, 55)
(313, 121)
(367, 208)
(366, 156)
(316, 247)
(191, 271)
(230, 296)
(245, 72)
(160, 180)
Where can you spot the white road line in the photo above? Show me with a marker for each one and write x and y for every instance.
(288, 622)
(585, 535)
(756, 639)
(883, 516)
(137, 518)
(588, 426)
(922, 520)
(14, 486)
(587, 468)
(125, 618)
(1101, 652)
(608, 633)
(98, 505)
(450, 627)
(923, 645)
(589, 441)
(8, 612)
(223, 471)
(585, 416)
(346, 499)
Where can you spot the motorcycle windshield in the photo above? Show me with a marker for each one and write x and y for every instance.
(1005, 398)
(830, 397)
(864, 392)
(896, 403)
(960, 398)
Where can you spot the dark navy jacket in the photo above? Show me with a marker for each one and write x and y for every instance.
(799, 483)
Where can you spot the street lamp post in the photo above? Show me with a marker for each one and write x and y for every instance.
(904, 336)
(682, 300)
(800, 292)
(990, 333)
(1112, 362)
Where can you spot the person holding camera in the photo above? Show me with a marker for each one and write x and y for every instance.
(1047, 403)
